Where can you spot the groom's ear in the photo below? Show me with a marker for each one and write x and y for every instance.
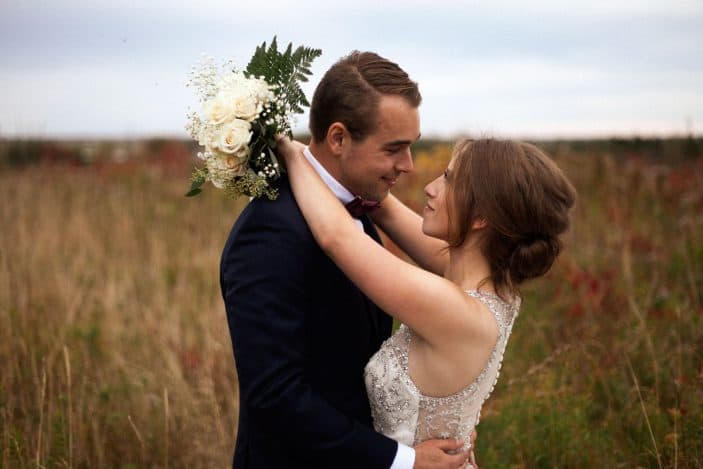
(337, 137)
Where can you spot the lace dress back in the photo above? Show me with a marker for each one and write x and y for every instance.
(401, 412)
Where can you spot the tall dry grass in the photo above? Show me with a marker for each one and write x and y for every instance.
(115, 351)
(113, 340)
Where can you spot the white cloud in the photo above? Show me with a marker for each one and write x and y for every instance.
(90, 101)
(117, 67)
(490, 75)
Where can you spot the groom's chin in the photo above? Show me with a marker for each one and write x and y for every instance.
(385, 192)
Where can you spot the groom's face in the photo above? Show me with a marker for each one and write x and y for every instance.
(370, 167)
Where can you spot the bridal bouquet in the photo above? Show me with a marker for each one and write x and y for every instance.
(242, 112)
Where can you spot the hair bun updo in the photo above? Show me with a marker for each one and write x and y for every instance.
(533, 257)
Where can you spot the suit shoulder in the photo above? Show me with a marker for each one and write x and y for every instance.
(273, 221)
(283, 210)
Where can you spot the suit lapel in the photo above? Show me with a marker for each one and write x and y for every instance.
(374, 311)
(370, 229)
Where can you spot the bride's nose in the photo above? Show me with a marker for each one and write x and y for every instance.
(430, 189)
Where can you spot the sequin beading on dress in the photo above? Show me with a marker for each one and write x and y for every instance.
(401, 412)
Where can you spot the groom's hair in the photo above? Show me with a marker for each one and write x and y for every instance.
(351, 89)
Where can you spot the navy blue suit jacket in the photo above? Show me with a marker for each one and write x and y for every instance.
(302, 334)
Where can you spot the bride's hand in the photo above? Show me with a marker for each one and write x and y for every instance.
(288, 149)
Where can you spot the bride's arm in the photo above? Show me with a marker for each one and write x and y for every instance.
(432, 306)
(404, 227)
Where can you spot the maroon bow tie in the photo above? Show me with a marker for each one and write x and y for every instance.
(359, 206)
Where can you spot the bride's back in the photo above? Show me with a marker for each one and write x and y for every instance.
(444, 368)
(405, 412)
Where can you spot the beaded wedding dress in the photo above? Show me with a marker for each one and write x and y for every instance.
(401, 412)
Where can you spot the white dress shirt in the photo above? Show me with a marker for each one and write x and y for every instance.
(339, 190)
(405, 456)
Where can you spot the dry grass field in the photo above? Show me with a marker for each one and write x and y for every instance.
(114, 347)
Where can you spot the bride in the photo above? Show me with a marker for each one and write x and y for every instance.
(492, 221)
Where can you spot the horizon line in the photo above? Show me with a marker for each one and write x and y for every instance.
(94, 137)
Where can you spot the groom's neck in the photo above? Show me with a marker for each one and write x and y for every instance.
(323, 154)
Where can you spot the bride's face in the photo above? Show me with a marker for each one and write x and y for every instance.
(435, 215)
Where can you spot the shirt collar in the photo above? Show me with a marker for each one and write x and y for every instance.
(339, 190)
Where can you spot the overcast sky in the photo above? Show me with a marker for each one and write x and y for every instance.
(538, 68)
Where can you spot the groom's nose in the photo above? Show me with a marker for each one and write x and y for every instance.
(405, 161)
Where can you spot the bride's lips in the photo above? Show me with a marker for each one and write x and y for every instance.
(428, 207)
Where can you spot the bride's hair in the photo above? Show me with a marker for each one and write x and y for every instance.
(525, 200)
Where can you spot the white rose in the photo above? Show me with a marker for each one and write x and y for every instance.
(233, 137)
(245, 106)
(219, 109)
(244, 97)
(260, 90)
(224, 167)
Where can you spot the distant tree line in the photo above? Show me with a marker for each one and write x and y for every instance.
(16, 153)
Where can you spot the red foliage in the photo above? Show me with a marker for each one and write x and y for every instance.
(685, 178)
(52, 154)
(591, 288)
(174, 158)
(190, 360)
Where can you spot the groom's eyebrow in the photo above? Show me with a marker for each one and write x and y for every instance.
(403, 142)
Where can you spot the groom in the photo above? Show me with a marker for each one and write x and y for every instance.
(302, 333)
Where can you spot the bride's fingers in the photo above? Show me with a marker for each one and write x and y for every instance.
(287, 146)
(284, 146)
